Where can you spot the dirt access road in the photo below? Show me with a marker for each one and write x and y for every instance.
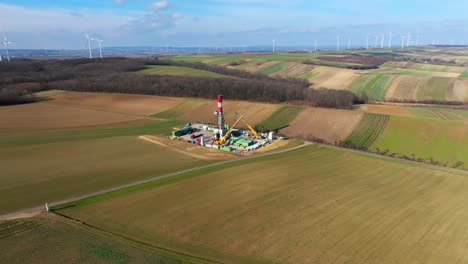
(30, 212)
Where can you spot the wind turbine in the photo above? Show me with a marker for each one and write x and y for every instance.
(274, 45)
(376, 41)
(403, 37)
(99, 41)
(382, 41)
(390, 40)
(5, 43)
(349, 43)
(367, 42)
(315, 47)
(408, 40)
(89, 46)
(338, 42)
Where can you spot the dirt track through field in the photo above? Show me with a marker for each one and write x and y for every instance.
(29, 212)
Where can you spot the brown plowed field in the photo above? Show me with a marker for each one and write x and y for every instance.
(331, 125)
(363, 60)
(255, 66)
(408, 87)
(393, 87)
(253, 112)
(333, 78)
(43, 115)
(122, 103)
(460, 91)
(387, 110)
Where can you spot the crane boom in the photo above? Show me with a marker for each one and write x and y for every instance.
(254, 133)
(223, 139)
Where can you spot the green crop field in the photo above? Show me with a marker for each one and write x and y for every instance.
(422, 112)
(444, 141)
(378, 87)
(44, 166)
(313, 205)
(364, 81)
(439, 113)
(464, 75)
(183, 71)
(179, 110)
(50, 241)
(368, 130)
(436, 89)
(309, 75)
(281, 118)
(273, 68)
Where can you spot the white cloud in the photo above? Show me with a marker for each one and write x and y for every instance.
(159, 5)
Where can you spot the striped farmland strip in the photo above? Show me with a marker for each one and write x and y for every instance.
(368, 130)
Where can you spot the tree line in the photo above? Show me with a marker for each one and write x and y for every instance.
(20, 79)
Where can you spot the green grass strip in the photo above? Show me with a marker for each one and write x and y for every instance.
(273, 68)
(281, 118)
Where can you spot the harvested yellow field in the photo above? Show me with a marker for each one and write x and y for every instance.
(313, 205)
(331, 125)
(121, 103)
(44, 115)
(333, 78)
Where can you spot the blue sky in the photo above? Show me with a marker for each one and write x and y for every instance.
(61, 24)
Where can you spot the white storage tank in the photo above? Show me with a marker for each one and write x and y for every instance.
(271, 136)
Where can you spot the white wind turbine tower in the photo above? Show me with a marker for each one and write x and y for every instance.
(349, 43)
(89, 46)
(274, 45)
(408, 40)
(376, 41)
(390, 40)
(367, 42)
(315, 46)
(382, 41)
(6, 43)
(403, 37)
(99, 41)
(338, 42)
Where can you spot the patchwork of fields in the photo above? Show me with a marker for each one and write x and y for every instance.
(92, 139)
(402, 81)
(311, 205)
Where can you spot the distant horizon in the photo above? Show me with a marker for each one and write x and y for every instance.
(58, 25)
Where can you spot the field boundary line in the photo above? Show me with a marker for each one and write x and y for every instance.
(33, 211)
(392, 158)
